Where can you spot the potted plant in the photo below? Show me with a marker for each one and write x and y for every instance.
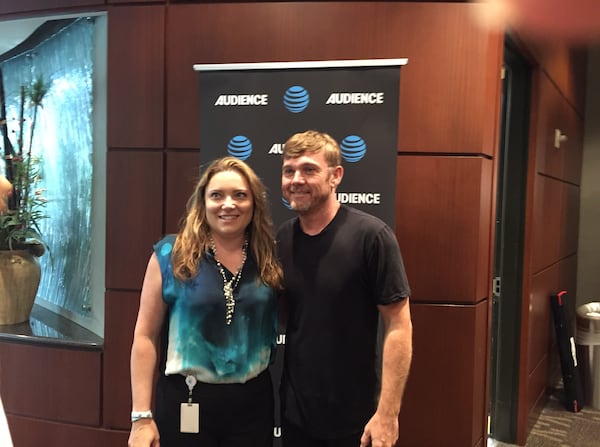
(21, 241)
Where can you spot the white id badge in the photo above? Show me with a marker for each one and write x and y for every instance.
(189, 418)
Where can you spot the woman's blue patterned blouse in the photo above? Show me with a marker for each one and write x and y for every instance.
(200, 342)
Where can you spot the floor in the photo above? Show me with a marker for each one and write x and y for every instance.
(558, 427)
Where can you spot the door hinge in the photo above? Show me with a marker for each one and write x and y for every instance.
(496, 286)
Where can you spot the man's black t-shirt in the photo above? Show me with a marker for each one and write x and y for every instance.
(333, 283)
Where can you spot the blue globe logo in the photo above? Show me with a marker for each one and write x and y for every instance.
(286, 203)
(239, 147)
(296, 99)
(353, 148)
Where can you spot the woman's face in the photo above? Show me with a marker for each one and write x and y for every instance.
(229, 204)
(5, 191)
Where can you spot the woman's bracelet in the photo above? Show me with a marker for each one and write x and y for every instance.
(137, 415)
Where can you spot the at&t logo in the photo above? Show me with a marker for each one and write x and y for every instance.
(240, 147)
(353, 148)
(296, 99)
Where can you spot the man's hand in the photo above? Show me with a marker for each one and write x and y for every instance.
(380, 431)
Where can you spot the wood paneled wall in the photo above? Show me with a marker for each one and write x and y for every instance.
(448, 132)
(37, 383)
(552, 215)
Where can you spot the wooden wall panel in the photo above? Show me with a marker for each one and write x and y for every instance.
(120, 316)
(443, 91)
(136, 64)
(443, 223)
(183, 171)
(543, 367)
(556, 113)
(134, 209)
(548, 158)
(487, 210)
(120, 2)
(27, 432)
(546, 223)
(565, 65)
(27, 6)
(444, 389)
(556, 221)
(57, 384)
(539, 319)
(536, 391)
(573, 147)
(450, 78)
(568, 242)
(567, 280)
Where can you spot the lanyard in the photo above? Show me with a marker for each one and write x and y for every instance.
(190, 381)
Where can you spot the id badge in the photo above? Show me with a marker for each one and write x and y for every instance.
(189, 418)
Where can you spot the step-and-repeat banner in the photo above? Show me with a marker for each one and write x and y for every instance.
(250, 110)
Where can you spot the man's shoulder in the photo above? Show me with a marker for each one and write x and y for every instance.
(363, 218)
(286, 227)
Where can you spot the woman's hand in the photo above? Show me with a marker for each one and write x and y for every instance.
(144, 433)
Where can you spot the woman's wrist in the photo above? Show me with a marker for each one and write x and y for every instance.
(140, 415)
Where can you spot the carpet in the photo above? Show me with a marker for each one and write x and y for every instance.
(558, 427)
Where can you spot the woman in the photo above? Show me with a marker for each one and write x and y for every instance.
(216, 284)
(5, 191)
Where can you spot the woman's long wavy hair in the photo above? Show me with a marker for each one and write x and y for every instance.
(193, 238)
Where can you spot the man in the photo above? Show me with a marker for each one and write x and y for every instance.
(5, 191)
(341, 266)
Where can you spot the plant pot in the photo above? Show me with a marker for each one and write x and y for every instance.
(20, 274)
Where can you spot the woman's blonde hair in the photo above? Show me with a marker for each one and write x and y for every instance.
(192, 241)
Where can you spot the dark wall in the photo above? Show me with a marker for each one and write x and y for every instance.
(448, 125)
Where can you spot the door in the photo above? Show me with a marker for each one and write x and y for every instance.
(508, 250)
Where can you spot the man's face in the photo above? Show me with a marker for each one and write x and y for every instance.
(307, 182)
(5, 191)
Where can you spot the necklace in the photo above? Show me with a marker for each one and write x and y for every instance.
(229, 286)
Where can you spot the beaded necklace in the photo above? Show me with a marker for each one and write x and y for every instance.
(229, 286)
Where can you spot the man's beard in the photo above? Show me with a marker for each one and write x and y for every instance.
(310, 206)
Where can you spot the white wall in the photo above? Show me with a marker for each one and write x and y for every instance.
(5, 440)
(588, 268)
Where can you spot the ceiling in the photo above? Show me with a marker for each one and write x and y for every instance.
(13, 32)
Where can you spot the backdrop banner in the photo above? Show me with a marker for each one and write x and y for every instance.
(250, 110)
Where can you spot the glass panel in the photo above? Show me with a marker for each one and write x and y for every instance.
(63, 140)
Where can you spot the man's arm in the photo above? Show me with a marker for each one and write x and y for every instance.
(382, 429)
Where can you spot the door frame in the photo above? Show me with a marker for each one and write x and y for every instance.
(509, 245)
